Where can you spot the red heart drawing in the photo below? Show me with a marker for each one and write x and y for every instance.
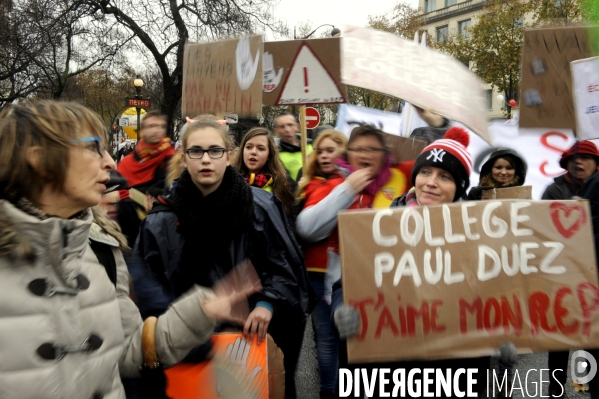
(555, 209)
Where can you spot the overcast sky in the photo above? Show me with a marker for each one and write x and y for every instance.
(334, 12)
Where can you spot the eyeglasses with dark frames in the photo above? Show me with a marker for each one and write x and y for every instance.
(93, 139)
(198, 153)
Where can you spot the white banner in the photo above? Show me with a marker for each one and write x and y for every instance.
(386, 63)
(540, 147)
(350, 116)
(585, 91)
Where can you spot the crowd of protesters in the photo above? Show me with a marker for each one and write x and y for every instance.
(77, 233)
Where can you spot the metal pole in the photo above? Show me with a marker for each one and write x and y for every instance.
(138, 123)
(138, 109)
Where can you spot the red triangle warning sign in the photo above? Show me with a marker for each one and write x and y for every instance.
(309, 82)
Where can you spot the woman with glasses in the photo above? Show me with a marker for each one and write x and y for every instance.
(334, 182)
(259, 163)
(68, 331)
(211, 221)
(370, 182)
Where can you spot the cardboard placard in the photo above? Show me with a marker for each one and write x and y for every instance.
(403, 148)
(457, 280)
(386, 63)
(546, 87)
(521, 192)
(223, 77)
(240, 369)
(585, 90)
(298, 72)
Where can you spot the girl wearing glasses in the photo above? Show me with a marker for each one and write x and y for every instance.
(67, 330)
(211, 221)
(259, 163)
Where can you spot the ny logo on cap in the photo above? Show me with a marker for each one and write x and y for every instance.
(437, 153)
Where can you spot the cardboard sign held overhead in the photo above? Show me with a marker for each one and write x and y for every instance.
(585, 89)
(300, 72)
(223, 77)
(386, 63)
(546, 87)
(458, 280)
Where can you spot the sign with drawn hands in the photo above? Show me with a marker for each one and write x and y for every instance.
(300, 72)
(223, 77)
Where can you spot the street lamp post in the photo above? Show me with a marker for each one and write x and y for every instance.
(138, 83)
(334, 32)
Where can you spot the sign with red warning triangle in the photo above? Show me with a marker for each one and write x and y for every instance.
(300, 72)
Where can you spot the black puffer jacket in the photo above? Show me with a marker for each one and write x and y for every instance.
(475, 193)
(267, 241)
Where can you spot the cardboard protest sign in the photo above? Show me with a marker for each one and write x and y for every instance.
(546, 99)
(457, 280)
(386, 63)
(300, 72)
(240, 370)
(585, 88)
(223, 77)
(403, 148)
(521, 192)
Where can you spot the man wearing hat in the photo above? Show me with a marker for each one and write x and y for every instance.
(580, 162)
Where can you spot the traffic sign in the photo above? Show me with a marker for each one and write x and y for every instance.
(303, 72)
(123, 122)
(138, 102)
(309, 82)
(312, 118)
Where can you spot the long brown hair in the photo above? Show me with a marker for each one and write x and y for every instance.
(313, 168)
(273, 166)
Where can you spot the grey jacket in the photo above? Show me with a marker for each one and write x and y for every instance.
(65, 330)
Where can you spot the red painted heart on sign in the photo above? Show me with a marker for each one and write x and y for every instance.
(555, 209)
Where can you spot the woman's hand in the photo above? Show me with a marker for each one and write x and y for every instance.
(360, 179)
(257, 323)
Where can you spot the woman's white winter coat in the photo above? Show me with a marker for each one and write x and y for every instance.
(65, 330)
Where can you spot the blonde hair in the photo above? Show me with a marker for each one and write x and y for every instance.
(50, 126)
(110, 227)
(312, 169)
(273, 166)
(174, 168)
(204, 124)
